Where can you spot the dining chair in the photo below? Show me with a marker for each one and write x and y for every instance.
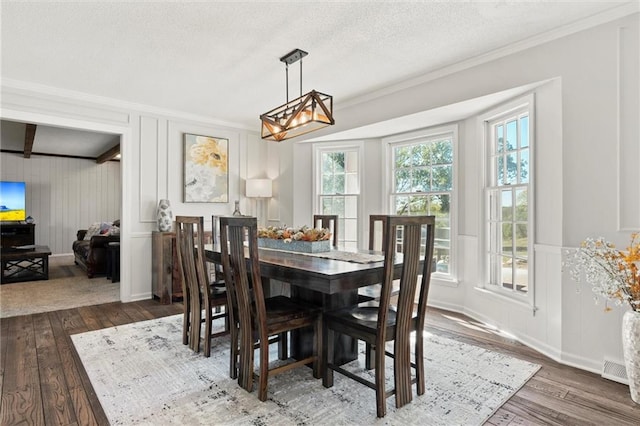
(377, 323)
(258, 317)
(198, 293)
(329, 221)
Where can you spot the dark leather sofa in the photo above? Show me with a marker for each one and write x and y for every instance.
(92, 254)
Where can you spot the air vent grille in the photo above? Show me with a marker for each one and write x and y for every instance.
(615, 371)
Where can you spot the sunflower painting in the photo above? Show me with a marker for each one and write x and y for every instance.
(206, 176)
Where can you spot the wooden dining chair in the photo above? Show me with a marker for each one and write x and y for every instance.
(198, 293)
(329, 221)
(258, 317)
(381, 322)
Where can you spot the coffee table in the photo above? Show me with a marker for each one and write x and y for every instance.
(27, 263)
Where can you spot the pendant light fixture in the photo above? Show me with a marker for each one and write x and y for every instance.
(305, 114)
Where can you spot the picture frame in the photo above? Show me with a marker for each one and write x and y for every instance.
(206, 169)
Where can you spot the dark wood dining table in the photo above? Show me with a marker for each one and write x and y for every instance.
(328, 283)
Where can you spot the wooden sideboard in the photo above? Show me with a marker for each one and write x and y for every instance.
(165, 275)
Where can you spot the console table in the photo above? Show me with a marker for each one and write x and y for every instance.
(24, 264)
(17, 234)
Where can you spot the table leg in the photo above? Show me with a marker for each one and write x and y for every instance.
(345, 347)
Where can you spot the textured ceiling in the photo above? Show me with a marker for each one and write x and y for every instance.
(221, 59)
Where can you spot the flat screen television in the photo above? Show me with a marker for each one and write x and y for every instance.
(13, 196)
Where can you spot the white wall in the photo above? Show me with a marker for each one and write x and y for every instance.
(65, 194)
(587, 109)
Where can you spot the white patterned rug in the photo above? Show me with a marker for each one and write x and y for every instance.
(143, 374)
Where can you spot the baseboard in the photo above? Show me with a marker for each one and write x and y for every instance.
(571, 360)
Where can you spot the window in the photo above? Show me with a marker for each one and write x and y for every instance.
(508, 198)
(339, 190)
(423, 184)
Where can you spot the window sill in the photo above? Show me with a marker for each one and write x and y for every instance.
(444, 281)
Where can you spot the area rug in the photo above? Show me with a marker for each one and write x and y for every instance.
(67, 287)
(143, 374)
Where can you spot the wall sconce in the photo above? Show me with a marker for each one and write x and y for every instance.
(260, 189)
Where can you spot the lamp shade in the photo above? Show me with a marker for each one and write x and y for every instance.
(258, 188)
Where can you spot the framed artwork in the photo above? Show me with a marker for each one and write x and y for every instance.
(206, 169)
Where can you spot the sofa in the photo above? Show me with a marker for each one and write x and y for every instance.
(90, 247)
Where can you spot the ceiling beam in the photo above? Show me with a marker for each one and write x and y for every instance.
(29, 136)
(108, 155)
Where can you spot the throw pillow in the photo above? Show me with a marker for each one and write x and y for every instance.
(104, 228)
(94, 229)
(114, 230)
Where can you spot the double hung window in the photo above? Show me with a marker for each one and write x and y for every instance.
(508, 200)
(422, 183)
(339, 189)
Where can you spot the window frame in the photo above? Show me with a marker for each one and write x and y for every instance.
(318, 150)
(413, 138)
(514, 109)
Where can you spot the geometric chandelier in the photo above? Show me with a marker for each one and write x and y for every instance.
(305, 114)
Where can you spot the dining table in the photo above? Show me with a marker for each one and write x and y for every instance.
(330, 280)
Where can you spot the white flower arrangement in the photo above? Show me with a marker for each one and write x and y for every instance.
(613, 274)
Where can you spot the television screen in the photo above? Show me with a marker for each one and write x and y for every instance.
(12, 201)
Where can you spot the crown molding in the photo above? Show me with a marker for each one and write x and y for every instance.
(31, 88)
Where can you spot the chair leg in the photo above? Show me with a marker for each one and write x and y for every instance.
(196, 319)
(185, 321)
(381, 399)
(369, 356)
(402, 369)
(283, 346)
(245, 372)
(207, 332)
(264, 369)
(233, 361)
(420, 381)
(327, 356)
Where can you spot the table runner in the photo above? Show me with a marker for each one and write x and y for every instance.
(346, 256)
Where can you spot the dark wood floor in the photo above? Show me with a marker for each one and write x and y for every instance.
(43, 382)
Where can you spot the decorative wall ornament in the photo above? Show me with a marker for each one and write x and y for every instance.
(164, 216)
(206, 169)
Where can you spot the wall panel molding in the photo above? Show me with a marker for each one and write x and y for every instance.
(151, 154)
(628, 128)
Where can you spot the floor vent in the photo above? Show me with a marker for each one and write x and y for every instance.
(615, 371)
